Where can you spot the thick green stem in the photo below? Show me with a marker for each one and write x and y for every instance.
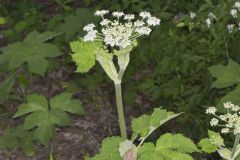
(122, 124)
(237, 138)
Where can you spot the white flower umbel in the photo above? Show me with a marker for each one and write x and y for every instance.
(229, 121)
(90, 36)
(101, 13)
(214, 122)
(234, 12)
(237, 5)
(89, 27)
(145, 14)
(121, 29)
(211, 110)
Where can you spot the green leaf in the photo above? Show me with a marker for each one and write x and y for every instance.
(109, 150)
(36, 103)
(63, 102)
(20, 26)
(225, 153)
(141, 125)
(147, 151)
(9, 139)
(6, 87)
(176, 142)
(207, 146)
(33, 50)
(145, 124)
(42, 117)
(232, 96)
(170, 147)
(84, 54)
(73, 23)
(14, 138)
(157, 116)
(216, 138)
(225, 75)
(44, 132)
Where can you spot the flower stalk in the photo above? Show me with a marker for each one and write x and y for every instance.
(121, 117)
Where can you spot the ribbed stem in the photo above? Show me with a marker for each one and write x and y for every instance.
(121, 118)
(237, 138)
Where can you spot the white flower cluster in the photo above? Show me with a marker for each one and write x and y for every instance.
(231, 120)
(122, 30)
(210, 19)
(235, 13)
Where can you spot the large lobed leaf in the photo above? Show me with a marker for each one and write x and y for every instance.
(211, 144)
(170, 147)
(43, 119)
(84, 54)
(225, 75)
(145, 123)
(33, 50)
(73, 23)
(18, 138)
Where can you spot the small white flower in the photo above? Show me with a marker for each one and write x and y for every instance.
(237, 5)
(129, 17)
(89, 27)
(228, 105)
(211, 110)
(143, 30)
(235, 108)
(153, 21)
(208, 22)
(233, 12)
(101, 13)
(214, 122)
(230, 27)
(223, 117)
(115, 23)
(192, 15)
(236, 130)
(105, 22)
(138, 23)
(225, 130)
(229, 125)
(90, 36)
(118, 14)
(211, 15)
(145, 14)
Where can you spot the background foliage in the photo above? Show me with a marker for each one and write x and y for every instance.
(183, 65)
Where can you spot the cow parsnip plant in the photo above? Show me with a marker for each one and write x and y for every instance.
(116, 38)
(168, 146)
(229, 123)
